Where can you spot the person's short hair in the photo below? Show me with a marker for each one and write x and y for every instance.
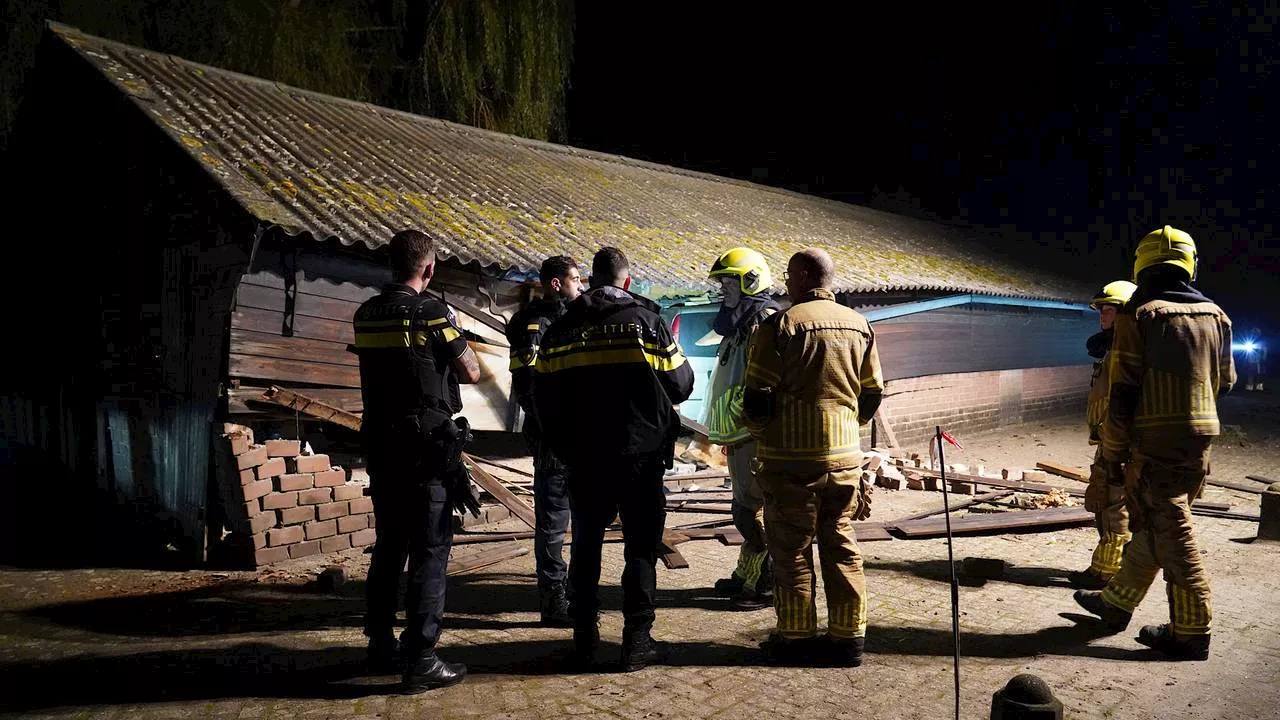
(410, 250)
(556, 266)
(608, 266)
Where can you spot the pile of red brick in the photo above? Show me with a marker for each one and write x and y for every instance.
(290, 505)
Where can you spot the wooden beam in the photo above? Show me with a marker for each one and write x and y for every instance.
(988, 497)
(485, 558)
(1238, 487)
(885, 428)
(311, 407)
(1063, 471)
(1037, 487)
(494, 487)
(698, 428)
(1022, 519)
(1259, 478)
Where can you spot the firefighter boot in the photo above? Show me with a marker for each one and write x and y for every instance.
(1161, 639)
(1113, 618)
(843, 652)
(1087, 579)
(801, 652)
(730, 586)
(429, 672)
(554, 606)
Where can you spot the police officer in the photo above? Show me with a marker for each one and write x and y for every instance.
(1105, 496)
(561, 283)
(744, 278)
(813, 378)
(1171, 361)
(608, 375)
(412, 358)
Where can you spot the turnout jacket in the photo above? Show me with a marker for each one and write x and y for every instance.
(1169, 362)
(608, 375)
(819, 360)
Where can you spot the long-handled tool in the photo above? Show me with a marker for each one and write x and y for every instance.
(951, 563)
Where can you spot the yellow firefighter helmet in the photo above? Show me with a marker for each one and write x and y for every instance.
(1168, 246)
(1113, 293)
(748, 266)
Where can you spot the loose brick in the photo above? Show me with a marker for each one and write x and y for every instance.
(335, 543)
(321, 529)
(271, 468)
(331, 478)
(248, 476)
(347, 492)
(361, 505)
(352, 523)
(262, 522)
(255, 490)
(297, 515)
(315, 496)
(309, 463)
(361, 538)
(283, 448)
(270, 555)
(285, 535)
(259, 540)
(304, 549)
(329, 511)
(296, 481)
(252, 458)
(240, 443)
(252, 508)
(280, 501)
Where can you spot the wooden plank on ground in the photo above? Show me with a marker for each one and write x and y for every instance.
(502, 466)
(986, 497)
(1022, 519)
(1249, 517)
(1037, 487)
(1259, 478)
(1062, 470)
(671, 557)
(701, 508)
(494, 487)
(1238, 487)
(699, 430)
(486, 558)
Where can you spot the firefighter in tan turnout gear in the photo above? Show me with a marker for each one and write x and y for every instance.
(813, 378)
(1171, 359)
(744, 278)
(1105, 496)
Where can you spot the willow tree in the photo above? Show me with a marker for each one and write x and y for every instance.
(497, 64)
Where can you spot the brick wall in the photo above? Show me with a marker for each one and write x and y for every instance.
(969, 402)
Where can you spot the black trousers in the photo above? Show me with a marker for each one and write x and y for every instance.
(413, 521)
(632, 489)
(551, 511)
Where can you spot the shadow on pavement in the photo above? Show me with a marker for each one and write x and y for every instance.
(938, 571)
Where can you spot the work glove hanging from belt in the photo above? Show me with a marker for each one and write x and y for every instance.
(457, 476)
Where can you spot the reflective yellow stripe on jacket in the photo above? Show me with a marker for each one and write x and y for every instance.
(610, 351)
(381, 334)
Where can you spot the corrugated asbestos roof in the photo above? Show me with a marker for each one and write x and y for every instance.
(356, 172)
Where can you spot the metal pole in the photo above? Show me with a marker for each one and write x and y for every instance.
(951, 564)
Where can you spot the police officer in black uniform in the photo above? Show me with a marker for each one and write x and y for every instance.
(412, 358)
(561, 283)
(608, 375)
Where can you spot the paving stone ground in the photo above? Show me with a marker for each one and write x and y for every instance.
(140, 643)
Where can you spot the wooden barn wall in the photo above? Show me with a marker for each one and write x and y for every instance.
(292, 325)
(980, 338)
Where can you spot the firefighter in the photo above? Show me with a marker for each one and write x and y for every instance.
(1171, 359)
(609, 374)
(813, 378)
(1105, 496)
(743, 277)
(561, 283)
(412, 359)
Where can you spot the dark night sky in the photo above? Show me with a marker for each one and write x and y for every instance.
(1058, 127)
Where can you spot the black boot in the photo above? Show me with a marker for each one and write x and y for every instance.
(799, 652)
(384, 655)
(1113, 618)
(638, 650)
(554, 606)
(586, 640)
(728, 587)
(1087, 580)
(751, 600)
(843, 652)
(1161, 639)
(429, 672)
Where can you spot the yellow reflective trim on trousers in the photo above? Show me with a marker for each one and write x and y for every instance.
(1191, 614)
(621, 356)
(1107, 555)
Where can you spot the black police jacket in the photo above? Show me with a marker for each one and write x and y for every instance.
(407, 343)
(524, 334)
(608, 375)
